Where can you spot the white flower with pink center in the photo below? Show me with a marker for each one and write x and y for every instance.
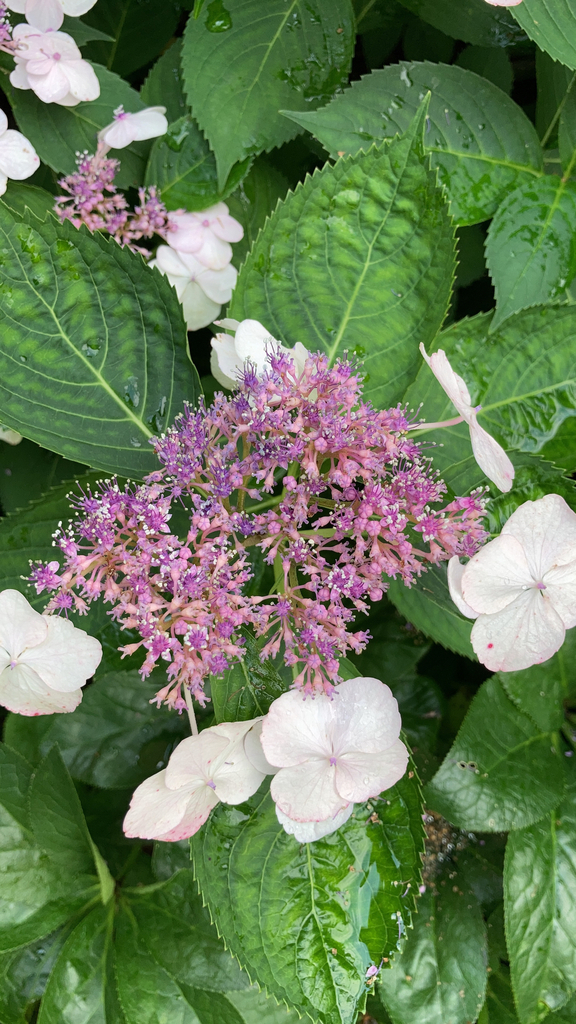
(127, 128)
(332, 752)
(521, 587)
(489, 455)
(44, 660)
(201, 291)
(206, 234)
(18, 158)
(49, 14)
(253, 343)
(203, 770)
(51, 65)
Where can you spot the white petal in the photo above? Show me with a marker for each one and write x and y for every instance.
(19, 77)
(227, 228)
(3, 187)
(225, 364)
(3, 123)
(117, 135)
(307, 791)
(235, 776)
(310, 831)
(491, 457)
(52, 87)
(496, 575)
(149, 123)
(254, 752)
(44, 14)
(526, 632)
(6, 434)
(187, 234)
(299, 354)
(366, 716)
(218, 284)
(360, 776)
(199, 310)
(22, 691)
(455, 573)
(253, 342)
(82, 79)
(504, 3)
(228, 324)
(213, 252)
(67, 658)
(18, 157)
(546, 529)
(561, 589)
(195, 758)
(16, 5)
(450, 381)
(20, 625)
(296, 730)
(168, 261)
(76, 8)
(155, 809)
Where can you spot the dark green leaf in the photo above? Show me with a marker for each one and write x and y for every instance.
(552, 25)
(518, 777)
(77, 989)
(242, 63)
(440, 975)
(470, 20)
(254, 201)
(360, 258)
(565, 1015)
(540, 691)
(255, 1008)
(481, 142)
(101, 314)
(82, 33)
(59, 133)
(27, 471)
(19, 197)
(15, 777)
(247, 689)
(540, 907)
(488, 62)
(139, 29)
(163, 86)
(24, 974)
(305, 943)
(56, 817)
(499, 1006)
(530, 248)
(429, 607)
(183, 167)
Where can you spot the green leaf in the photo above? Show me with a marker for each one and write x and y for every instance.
(481, 143)
(488, 62)
(24, 974)
(92, 381)
(552, 25)
(429, 607)
(518, 777)
(540, 908)
(15, 778)
(255, 1008)
(360, 258)
(499, 1006)
(247, 689)
(440, 975)
(56, 817)
(82, 33)
(77, 989)
(27, 470)
(530, 247)
(293, 54)
(19, 197)
(470, 20)
(183, 167)
(254, 201)
(139, 29)
(59, 133)
(317, 904)
(565, 1015)
(541, 690)
(163, 86)
(116, 738)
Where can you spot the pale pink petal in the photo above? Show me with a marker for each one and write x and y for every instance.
(504, 3)
(213, 253)
(496, 575)
(227, 228)
(491, 457)
(149, 123)
(155, 809)
(218, 285)
(299, 354)
(198, 810)
(310, 831)
(18, 157)
(199, 310)
(187, 233)
(23, 692)
(295, 729)
(235, 777)
(254, 342)
(16, 5)
(66, 658)
(455, 573)
(228, 324)
(68, 100)
(19, 77)
(254, 752)
(169, 262)
(117, 135)
(76, 8)
(195, 759)
(225, 364)
(52, 87)
(546, 529)
(3, 123)
(307, 792)
(3, 187)
(450, 381)
(360, 776)
(366, 716)
(6, 434)
(560, 585)
(20, 625)
(526, 632)
(83, 81)
(44, 14)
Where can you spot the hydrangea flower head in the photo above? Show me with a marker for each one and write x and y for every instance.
(251, 342)
(127, 128)
(206, 234)
(49, 14)
(521, 587)
(51, 65)
(44, 660)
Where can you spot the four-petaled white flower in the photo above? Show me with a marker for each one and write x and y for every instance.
(203, 770)
(489, 455)
(127, 128)
(201, 291)
(44, 660)
(51, 65)
(18, 157)
(49, 14)
(332, 752)
(521, 587)
(251, 342)
(206, 234)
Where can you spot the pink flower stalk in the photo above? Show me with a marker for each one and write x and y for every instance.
(345, 501)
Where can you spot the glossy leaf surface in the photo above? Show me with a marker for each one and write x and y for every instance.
(429, 607)
(163, 86)
(551, 24)
(471, 20)
(139, 30)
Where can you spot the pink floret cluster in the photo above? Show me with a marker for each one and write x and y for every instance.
(332, 491)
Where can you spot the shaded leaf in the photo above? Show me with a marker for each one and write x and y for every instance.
(82, 33)
(429, 607)
(254, 201)
(139, 30)
(18, 197)
(56, 817)
(163, 86)
(24, 974)
(552, 25)
(471, 21)
(247, 689)
(541, 690)
(77, 989)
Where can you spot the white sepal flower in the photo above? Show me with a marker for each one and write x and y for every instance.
(489, 455)
(521, 587)
(18, 159)
(49, 14)
(44, 660)
(127, 128)
(206, 234)
(310, 831)
(202, 771)
(201, 291)
(333, 751)
(51, 65)
(251, 342)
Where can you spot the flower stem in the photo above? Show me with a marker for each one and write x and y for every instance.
(190, 707)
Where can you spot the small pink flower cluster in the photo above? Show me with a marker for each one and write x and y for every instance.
(6, 42)
(355, 509)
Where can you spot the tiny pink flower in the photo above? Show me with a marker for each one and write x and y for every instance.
(207, 234)
(127, 128)
(489, 455)
(49, 14)
(252, 343)
(521, 587)
(51, 65)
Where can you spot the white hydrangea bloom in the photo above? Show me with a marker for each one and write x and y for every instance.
(206, 234)
(201, 291)
(51, 65)
(127, 128)
(18, 160)
(251, 342)
(49, 14)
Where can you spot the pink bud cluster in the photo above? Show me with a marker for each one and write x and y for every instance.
(333, 492)
(6, 41)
